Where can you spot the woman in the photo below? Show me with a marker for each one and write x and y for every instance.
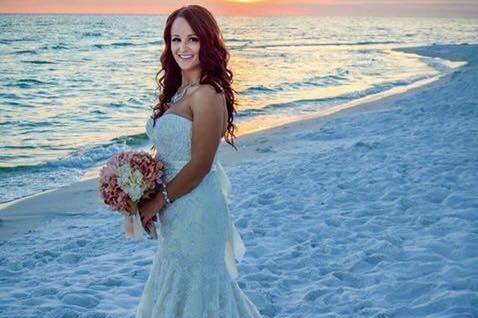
(193, 273)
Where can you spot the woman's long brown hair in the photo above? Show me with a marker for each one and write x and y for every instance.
(213, 56)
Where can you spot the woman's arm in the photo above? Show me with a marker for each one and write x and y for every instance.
(208, 108)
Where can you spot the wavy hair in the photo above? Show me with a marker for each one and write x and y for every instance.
(213, 57)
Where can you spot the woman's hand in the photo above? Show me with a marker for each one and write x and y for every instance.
(147, 208)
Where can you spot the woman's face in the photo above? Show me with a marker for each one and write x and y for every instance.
(184, 44)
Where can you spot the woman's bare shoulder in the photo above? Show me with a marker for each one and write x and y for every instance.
(207, 90)
(205, 96)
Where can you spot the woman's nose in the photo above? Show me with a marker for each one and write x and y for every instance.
(183, 47)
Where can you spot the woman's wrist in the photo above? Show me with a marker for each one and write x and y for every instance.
(160, 202)
(166, 196)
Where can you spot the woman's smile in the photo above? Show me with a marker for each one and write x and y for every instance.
(186, 57)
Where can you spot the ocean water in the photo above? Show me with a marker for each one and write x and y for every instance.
(76, 89)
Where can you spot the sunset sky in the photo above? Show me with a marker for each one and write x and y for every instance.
(441, 8)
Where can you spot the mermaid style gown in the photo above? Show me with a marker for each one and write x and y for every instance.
(194, 272)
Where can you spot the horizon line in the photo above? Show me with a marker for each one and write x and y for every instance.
(244, 14)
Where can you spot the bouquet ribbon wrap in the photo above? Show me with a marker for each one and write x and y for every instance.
(134, 228)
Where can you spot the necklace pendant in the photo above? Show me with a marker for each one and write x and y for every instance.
(174, 99)
(177, 97)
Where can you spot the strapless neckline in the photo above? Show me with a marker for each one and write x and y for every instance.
(178, 116)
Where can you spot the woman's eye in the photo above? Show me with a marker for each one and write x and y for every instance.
(191, 39)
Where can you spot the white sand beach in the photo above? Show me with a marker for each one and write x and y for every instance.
(367, 212)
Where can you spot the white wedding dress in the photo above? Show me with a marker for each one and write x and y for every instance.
(194, 272)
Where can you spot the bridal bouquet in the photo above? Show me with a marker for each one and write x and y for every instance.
(128, 177)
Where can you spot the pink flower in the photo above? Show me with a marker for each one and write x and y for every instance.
(112, 194)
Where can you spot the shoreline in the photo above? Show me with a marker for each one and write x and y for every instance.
(23, 214)
(258, 125)
(361, 102)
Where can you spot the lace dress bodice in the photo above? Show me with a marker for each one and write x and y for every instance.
(171, 134)
(171, 137)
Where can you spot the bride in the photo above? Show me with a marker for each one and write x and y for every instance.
(194, 272)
